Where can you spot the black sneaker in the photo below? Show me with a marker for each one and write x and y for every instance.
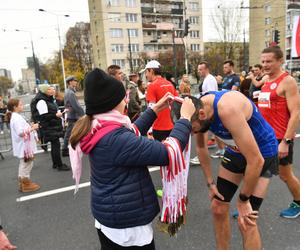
(54, 166)
(63, 167)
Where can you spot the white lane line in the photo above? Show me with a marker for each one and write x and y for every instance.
(64, 189)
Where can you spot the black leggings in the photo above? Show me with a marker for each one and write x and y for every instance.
(107, 244)
(55, 153)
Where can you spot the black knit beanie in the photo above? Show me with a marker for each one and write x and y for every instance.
(102, 92)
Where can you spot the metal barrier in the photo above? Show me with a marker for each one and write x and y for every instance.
(5, 138)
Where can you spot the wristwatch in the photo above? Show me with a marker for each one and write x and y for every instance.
(244, 197)
(287, 141)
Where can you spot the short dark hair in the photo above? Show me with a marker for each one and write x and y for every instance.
(176, 106)
(231, 63)
(156, 71)
(258, 66)
(205, 63)
(276, 50)
(112, 69)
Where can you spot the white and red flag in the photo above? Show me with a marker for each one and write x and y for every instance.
(296, 37)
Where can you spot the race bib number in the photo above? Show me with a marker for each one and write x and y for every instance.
(264, 100)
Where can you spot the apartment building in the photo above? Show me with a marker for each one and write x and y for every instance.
(265, 17)
(293, 11)
(126, 32)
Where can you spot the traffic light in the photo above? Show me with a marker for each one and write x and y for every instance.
(276, 36)
(186, 27)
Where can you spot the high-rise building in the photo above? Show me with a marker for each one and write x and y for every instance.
(271, 23)
(122, 29)
(5, 73)
(265, 18)
(293, 11)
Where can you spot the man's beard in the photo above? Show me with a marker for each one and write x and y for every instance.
(205, 125)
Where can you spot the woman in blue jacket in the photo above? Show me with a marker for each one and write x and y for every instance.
(123, 198)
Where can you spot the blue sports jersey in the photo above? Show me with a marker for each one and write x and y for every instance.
(229, 81)
(262, 131)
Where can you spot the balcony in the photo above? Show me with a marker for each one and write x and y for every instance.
(177, 11)
(147, 10)
(149, 26)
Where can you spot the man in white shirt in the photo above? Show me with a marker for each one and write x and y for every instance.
(209, 84)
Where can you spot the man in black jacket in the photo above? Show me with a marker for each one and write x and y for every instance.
(46, 113)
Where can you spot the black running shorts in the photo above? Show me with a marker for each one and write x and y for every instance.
(237, 163)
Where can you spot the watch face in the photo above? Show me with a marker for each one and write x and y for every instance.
(288, 141)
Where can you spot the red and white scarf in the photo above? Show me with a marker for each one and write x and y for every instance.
(28, 150)
(102, 124)
(174, 179)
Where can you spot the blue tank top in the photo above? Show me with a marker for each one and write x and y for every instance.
(262, 131)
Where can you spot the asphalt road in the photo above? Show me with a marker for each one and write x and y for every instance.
(64, 222)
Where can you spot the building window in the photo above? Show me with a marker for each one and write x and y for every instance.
(134, 47)
(136, 63)
(97, 40)
(194, 34)
(194, 19)
(267, 33)
(114, 17)
(194, 6)
(117, 48)
(120, 62)
(133, 32)
(130, 3)
(113, 3)
(195, 47)
(149, 48)
(268, 20)
(131, 18)
(116, 33)
(268, 8)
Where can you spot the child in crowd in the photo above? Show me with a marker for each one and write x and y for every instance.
(23, 143)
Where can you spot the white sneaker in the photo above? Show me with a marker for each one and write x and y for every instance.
(195, 161)
(1, 132)
(218, 154)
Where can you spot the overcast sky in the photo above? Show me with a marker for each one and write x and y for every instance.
(24, 15)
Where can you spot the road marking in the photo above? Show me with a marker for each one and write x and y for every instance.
(64, 189)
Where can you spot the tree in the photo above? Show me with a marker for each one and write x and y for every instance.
(5, 84)
(77, 50)
(166, 60)
(228, 21)
(77, 56)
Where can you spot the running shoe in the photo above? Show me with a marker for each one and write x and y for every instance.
(195, 161)
(211, 143)
(235, 214)
(2, 132)
(218, 154)
(292, 212)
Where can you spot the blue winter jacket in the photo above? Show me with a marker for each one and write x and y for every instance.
(122, 192)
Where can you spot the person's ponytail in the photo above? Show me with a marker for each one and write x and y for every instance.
(81, 128)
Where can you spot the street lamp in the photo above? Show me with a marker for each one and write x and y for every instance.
(36, 67)
(60, 47)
